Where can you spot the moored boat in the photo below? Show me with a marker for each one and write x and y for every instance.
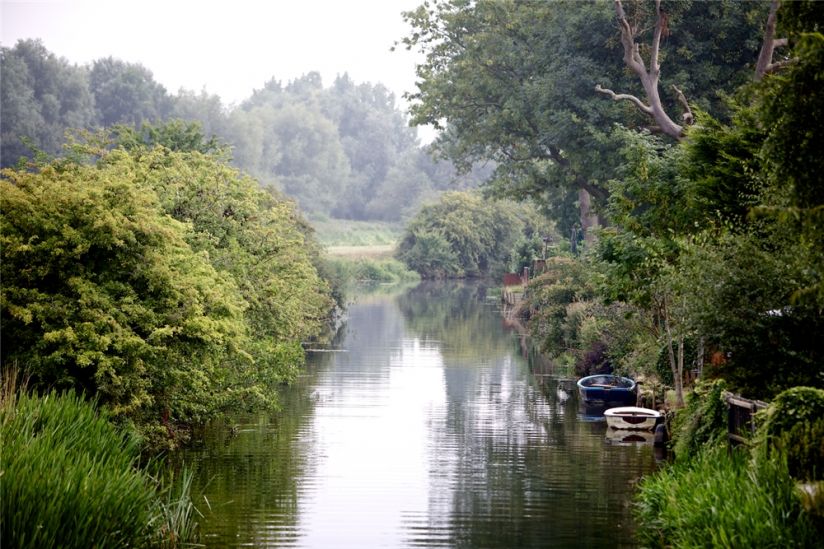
(607, 389)
(632, 417)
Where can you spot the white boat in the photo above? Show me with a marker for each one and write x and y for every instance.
(632, 417)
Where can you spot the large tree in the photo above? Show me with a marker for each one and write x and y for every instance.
(126, 93)
(515, 82)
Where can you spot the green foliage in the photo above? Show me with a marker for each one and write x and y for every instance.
(41, 97)
(345, 150)
(69, 478)
(513, 82)
(176, 135)
(739, 297)
(388, 271)
(719, 499)
(792, 161)
(794, 424)
(462, 235)
(430, 254)
(126, 93)
(103, 293)
(703, 423)
(551, 296)
(525, 251)
(166, 283)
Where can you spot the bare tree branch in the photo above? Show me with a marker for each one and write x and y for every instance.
(624, 96)
(649, 78)
(660, 21)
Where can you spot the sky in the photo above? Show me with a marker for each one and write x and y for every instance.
(228, 48)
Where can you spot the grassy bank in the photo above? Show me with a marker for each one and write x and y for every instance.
(346, 232)
(361, 251)
(71, 479)
(724, 500)
(752, 496)
(345, 269)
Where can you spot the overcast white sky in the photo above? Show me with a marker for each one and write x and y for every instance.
(226, 47)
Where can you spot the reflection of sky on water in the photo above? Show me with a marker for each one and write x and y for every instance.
(373, 446)
(431, 429)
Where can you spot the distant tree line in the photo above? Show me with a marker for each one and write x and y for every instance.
(344, 151)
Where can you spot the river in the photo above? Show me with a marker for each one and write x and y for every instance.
(423, 425)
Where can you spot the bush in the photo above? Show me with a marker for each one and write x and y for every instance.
(723, 500)
(463, 235)
(795, 424)
(703, 422)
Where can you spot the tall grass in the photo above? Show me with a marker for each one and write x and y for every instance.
(177, 515)
(68, 478)
(345, 232)
(722, 500)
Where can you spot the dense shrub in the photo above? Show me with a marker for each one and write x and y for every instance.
(703, 422)
(795, 424)
(163, 282)
(463, 235)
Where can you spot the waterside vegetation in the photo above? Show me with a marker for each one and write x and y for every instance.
(703, 253)
(72, 479)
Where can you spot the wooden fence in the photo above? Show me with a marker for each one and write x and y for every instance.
(740, 410)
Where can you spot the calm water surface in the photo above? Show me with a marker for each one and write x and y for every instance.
(425, 426)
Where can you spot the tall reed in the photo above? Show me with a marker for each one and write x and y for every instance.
(68, 478)
(722, 500)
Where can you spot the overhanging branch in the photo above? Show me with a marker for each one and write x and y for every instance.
(626, 97)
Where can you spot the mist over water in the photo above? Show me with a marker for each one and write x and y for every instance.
(424, 427)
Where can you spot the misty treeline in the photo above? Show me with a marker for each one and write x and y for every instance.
(343, 151)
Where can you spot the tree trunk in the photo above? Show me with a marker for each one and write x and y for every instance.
(676, 364)
(589, 220)
(765, 57)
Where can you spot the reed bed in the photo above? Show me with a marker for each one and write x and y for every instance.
(723, 500)
(69, 478)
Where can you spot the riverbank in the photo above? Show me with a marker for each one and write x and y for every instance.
(70, 478)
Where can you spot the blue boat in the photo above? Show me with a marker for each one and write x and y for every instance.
(605, 389)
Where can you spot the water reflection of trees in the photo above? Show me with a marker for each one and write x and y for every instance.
(510, 462)
(455, 314)
(513, 465)
(249, 471)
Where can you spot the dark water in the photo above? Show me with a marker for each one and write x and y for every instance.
(428, 428)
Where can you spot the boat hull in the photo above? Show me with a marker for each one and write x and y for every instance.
(632, 418)
(606, 390)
